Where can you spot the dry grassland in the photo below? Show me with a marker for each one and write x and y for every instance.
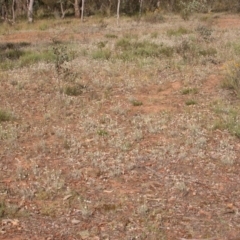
(120, 132)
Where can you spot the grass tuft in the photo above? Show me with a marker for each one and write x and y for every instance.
(190, 102)
(186, 91)
(74, 90)
(136, 103)
(177, 32)
(109, 35)
(232, 77)
(5, 116)
(102, 54)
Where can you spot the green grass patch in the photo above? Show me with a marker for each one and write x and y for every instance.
(154, 34)
(103, 54)
(11, 51)
(14, 57)
(208, 52)
(136, 103)
(3, 208)
(109, 35)
(74, 90)
(235, 46)
(11, 54)
(130, 50)
(5, 116)
(177, 32)
(31, 57)
(186, 91)
(102, 132)
(9, 211)
(190, 102)
(229, 124)
(130, 36)
(232, 77)
(228, 118)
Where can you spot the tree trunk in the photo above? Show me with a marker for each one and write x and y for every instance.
(172, 4)
(4, 11)
(30, 11)
(13, 11)
(82, 10)
(77, 9)
(118, 9)
(140, 8)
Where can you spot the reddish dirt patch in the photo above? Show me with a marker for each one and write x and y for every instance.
(229, 21)
(156, 99)
(212, 83)
(31, 37)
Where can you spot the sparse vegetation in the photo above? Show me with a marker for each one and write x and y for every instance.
(74, 90)
(120, 132)
(102, 54)
(228, 119)
(177, 32)
(109, 35)
(205, 33)
(130, 50)
(232, 77)
(154, 18)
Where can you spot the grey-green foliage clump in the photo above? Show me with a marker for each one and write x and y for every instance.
(103, 54)
(191, 50)
(205, 33)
